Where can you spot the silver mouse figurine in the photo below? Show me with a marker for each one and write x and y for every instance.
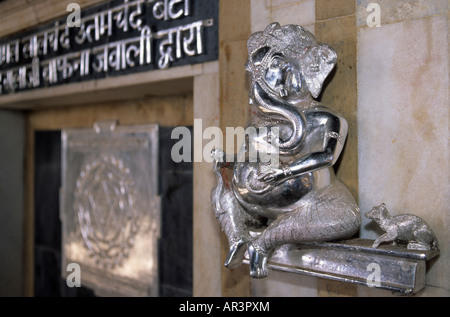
(267, 204)
(405, 228)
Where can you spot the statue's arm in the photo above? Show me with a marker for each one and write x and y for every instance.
(333, 140)
(335, 131)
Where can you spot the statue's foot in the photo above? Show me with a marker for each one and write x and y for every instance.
(236, 254)
(258, 262)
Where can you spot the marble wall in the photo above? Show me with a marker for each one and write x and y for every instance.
(403, 119)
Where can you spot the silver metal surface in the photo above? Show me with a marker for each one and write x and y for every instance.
(399, 270)
(293, 197)
(110, 209)
(403, 228)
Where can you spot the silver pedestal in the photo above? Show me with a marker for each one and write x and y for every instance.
(389, 267)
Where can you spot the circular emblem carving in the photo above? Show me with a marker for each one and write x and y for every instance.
(107, 212)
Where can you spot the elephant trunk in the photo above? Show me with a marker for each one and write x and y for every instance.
(293, 115)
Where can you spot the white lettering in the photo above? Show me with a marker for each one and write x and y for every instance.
(181, 151)
(374, 18)
(74, 278)
(373, 280)
(73, 19)
(191, 307)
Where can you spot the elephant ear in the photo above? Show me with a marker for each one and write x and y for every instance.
(316, 66)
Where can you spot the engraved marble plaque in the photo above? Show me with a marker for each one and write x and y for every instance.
(110, 210)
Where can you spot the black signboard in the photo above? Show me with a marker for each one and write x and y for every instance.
(114, 38)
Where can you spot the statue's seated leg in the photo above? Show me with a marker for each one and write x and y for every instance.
(233, 220)
(258, 261)
(328, 215)
(276, 234)
(236, 253)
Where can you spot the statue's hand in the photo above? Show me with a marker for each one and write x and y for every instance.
(275, 175)
(272, 176)
(219, 157)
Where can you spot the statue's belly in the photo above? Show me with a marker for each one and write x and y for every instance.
(268, 200)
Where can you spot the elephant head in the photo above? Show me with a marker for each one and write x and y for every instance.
(287, 66)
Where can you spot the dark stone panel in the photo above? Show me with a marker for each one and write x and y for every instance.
(47, 228)
(47, 265)
(167, 290)
(47, 225)
(175, 247)
(175, 256)
(166, 163)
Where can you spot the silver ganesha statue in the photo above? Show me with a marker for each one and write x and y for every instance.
(294, 196)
